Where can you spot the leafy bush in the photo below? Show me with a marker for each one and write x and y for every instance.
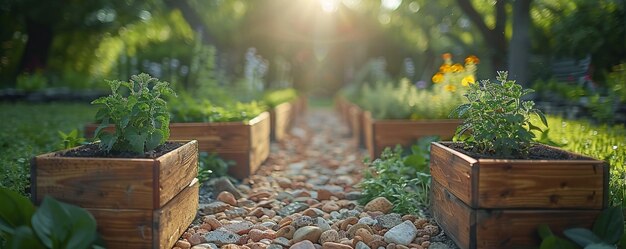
(607, 232)
(403, 180)
(405, 101)
(70, 139)
(616, 81)
(212, 166)
(53, 225)
(31, 82)
(187, 109)
(604, 142)
(498, 118)
(277, 97)
(141, 118)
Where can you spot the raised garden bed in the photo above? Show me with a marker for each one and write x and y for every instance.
(137, 202)
(497, 203)
(379, 134)
(247, 144)
(281, 118)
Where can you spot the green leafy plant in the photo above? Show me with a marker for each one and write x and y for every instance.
(71, 139)
(498, 118)
(616, 81)
(187, 109)
(212, 166)
(277, 97)
(31, 82)
(53, 225)
(403, 180)
(607, 232)
(140, 116)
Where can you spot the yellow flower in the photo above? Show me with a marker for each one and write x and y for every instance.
(457, 68)
(445, 68)
(449, 88)
(446, 56)
(437, 78)
(472, 59)
(467, 80)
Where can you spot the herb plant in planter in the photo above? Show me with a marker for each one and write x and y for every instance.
(495, 187)
(141, 188)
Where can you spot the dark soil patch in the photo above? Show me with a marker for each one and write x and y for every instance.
(536, 152)
(93, 150)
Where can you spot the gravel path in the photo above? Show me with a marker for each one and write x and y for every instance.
(304, 197)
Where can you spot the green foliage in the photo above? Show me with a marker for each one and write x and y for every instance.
(186, 109)
(141, 118)
(405, 101)
(276, 97)
(498, 118)
(605, 142)
(616, 81)
(53, 225)
(29, 130)
(607, 233)
(31, 82)
(212, 166)
(71, 139)
(403, 180)
(552, 89)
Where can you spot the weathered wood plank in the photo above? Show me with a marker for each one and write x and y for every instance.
(175, 217)
(280, 118)
(259, 143)
(176, 170)
(389, 133)
(454, 171)
(125, 228)
(368, 133)
(96, 182)
(518, 228)
(567, 184)
(453, 217)
(356, 121)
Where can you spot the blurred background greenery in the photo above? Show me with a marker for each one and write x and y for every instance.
(316, 46)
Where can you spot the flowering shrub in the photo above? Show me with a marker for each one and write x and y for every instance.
(452, 76)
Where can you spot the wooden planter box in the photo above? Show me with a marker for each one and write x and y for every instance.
(281, 117)
(343, 107)
(356, 124)
(137, 202)
(489, 203)
(380, 134)
(248, 145)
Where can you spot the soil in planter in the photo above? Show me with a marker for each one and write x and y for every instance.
(536, 152)
(93, 150)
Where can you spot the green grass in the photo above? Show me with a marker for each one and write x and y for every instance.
(604, 142)
(27, 130)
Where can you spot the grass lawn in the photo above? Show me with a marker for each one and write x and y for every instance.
(27, 130)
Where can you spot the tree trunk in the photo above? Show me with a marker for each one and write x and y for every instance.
(495, 37)
(519, 48)
(35, 56)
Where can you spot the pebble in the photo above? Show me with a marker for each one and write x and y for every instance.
(361, 245)
(333, 245)
(311, 233)
(183, 244)
(305, 244)
(330, 206)
(368, 221)
(224, 184)
(292, 208)
(322, 224)
(329, 236)
(205, 246)
(303, 221)
(282, 241)
(257, 235)
(401, 234)
(222, 236)
(287, 232)
(214, 207)
(227, 198)
(380, 204)
(389, 220)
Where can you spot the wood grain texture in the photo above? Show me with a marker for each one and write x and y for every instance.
(96, 182)
(544, 184)
(499, 228)
(124, 183)
(246, 144)
(368, 134)
(176, 170)
(160, 228)
(452, 216)
(389, 133)
(455, 171)
(280, 118)
(356, 120)
(175, 217)
(512, 228)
